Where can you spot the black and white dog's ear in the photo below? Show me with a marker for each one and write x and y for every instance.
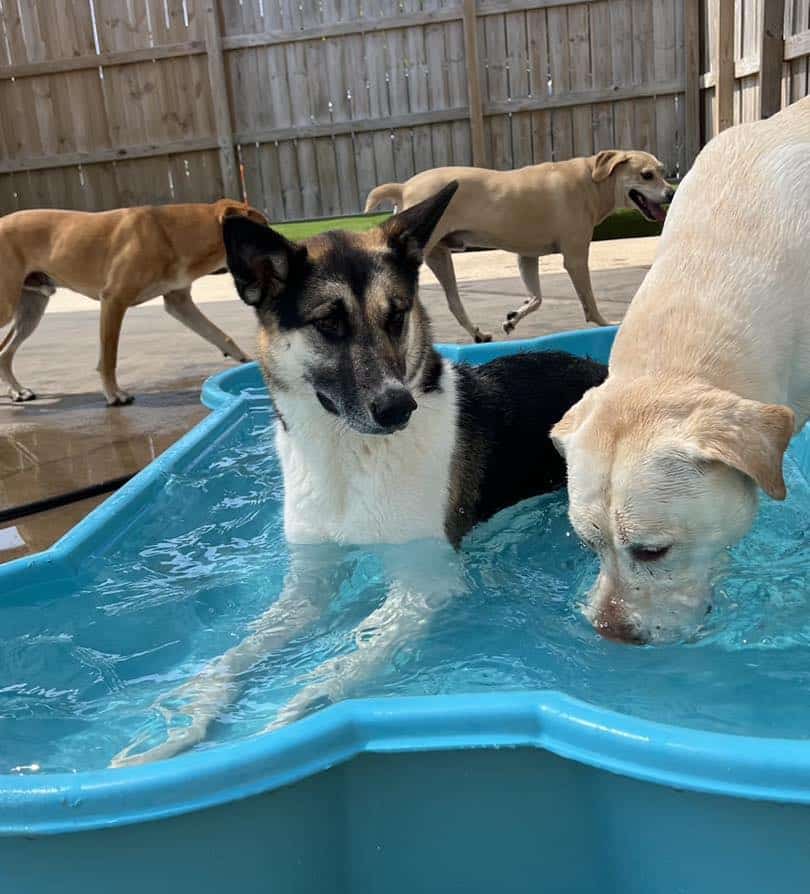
(262, 261)
(409, 231)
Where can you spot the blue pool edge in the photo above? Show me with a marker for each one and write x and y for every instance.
(757, 768)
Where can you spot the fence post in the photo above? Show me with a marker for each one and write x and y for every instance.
(219, 97)
(724, 66)
(691, 28)
(479, 153)
(771, 57)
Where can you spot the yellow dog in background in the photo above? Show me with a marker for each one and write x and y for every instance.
(121, 258)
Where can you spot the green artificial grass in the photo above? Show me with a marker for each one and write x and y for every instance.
(356, 222)
(623, 224)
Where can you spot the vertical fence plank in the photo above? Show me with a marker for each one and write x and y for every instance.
(562, 135)
(461, 131)
(221, 105)
(771, 56)
(692, 65)
(601, 73)
(401, 138)
(518, 70)
(665, 68)
(438, 91)
(379, 106)
(479, 153)
(536, 26)
(723, 65)
(581, 76)
(497, 81)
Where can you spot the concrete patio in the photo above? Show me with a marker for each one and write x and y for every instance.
(68, 439)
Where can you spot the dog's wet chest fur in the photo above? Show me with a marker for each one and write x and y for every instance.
(477, 443)
(345, 487)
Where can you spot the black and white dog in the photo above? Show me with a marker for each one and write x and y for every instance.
(380, 440)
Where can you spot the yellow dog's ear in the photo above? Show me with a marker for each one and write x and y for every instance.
(747, 435)
(606, 163)
(565, 429)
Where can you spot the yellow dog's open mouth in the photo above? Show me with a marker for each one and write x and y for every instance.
(651, 210)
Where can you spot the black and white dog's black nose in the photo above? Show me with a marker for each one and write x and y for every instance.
(392, 408)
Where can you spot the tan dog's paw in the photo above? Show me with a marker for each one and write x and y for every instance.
(238, 356)
(120, 399)
(599, 320)
(235, 352)
(480, 336)
(24, 394)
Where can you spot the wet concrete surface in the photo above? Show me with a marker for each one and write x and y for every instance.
(68, 438)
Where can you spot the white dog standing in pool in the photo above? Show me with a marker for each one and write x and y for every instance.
(709, 379)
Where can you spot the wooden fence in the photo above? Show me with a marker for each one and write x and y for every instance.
(304, 105)
(777, 31)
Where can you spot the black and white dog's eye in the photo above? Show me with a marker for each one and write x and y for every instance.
(647, 175)
(332, 327)
(396, 323)
(648, 553)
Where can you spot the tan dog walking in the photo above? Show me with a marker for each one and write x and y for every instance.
(120, 258)
(538, 210)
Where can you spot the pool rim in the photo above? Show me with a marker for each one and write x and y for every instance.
(752, 767)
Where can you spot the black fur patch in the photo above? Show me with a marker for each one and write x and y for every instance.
(506, 410)
(431, 373)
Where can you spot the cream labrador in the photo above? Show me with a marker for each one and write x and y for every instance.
(709, 379)
(538, 210)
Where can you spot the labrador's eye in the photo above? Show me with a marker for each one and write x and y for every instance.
(395, 323)
(332, 326)
(648, 553)
(647, 175)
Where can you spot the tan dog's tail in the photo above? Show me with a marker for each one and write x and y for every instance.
(391, 191)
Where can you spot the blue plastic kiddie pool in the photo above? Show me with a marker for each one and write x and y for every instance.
(511, 791)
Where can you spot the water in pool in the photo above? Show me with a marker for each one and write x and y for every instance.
(82, 666)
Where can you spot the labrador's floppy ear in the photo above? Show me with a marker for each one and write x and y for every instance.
(409, 231)
(262, 261)
(565, 429)
(747, 435)
(606, 163)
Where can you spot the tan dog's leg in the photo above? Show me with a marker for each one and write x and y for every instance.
(441, 263)
(529, 273)
(576, 264)
(26, 319)
(180, 306)
(112, 316)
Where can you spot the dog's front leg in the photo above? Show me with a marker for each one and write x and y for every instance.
(314, 576)
(179, 305)
(576, 265)
(422, 580)
(112, 316)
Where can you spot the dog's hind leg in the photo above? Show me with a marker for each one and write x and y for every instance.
(440, 262)
(180, 306)
(529, 273)
(576, 264)
(417, 591)
(26, 319)
(315, 575)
